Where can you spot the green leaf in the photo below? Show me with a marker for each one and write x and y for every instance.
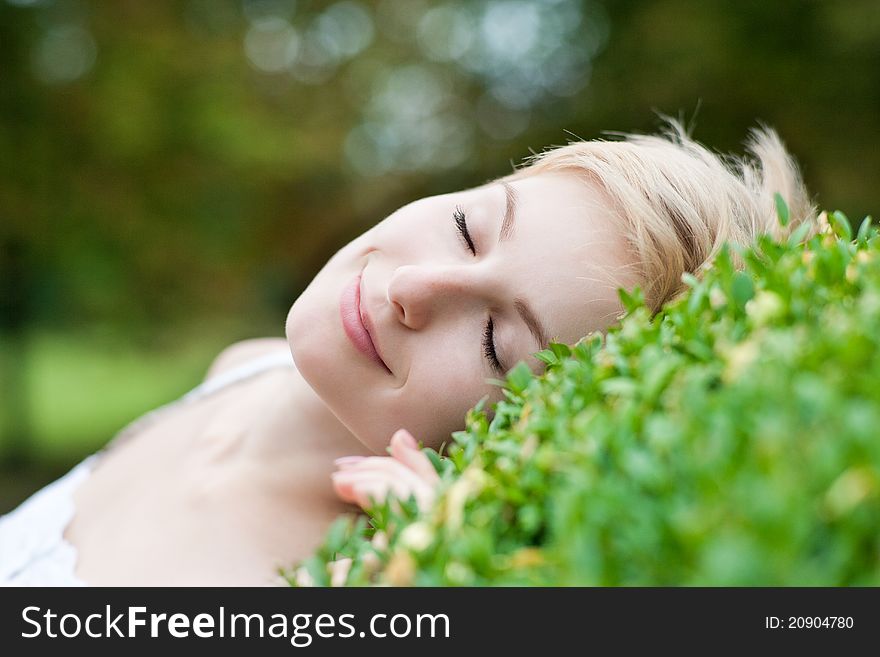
(631, 300)
(697, 299)
(435, 460)
(337, 534)
(742, 289)
(782, 211)
(840, 223)
(317, 568)
(723, 263)
(690, 280)
(519, 377)
(798, 234)
(546, 356)
(864, 229)
(619, 385)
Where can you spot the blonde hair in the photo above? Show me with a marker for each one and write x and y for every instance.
(679, 202)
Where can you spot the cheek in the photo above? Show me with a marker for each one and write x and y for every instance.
(437, 396)
(414, 229)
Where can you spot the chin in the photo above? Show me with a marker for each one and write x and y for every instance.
(307, 336)
(287, 332)
(292, 333)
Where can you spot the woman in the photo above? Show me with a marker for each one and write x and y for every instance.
(405, 327)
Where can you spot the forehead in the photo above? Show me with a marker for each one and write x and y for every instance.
(567, 254)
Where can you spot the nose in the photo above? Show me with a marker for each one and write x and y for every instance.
(418, 293)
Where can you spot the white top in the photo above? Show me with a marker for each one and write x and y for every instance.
(33, 551)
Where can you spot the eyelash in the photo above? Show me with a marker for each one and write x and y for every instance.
(488, 332)
(461, 224)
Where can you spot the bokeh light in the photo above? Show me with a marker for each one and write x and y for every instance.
(64, 54)
(271, 44)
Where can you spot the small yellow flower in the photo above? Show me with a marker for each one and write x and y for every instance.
(738, 358)
(861, 258)
(371, 562)
(468, 484)
(604, 359)
(339, 571)
(717, 298)
(850, 488)
(764, 307)
(401, 569)
(527, 557)
(457, 572)
(529, 446)
(303, 577)
(417, 536)
(380, 540)
(852, 272)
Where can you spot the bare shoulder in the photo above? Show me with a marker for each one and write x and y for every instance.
(240, 352)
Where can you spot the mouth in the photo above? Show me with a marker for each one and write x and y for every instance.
(357, 324)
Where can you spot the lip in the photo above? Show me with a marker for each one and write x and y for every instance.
(356, 322)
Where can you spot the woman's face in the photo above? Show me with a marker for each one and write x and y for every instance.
(442, 306)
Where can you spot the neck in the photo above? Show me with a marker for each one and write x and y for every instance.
(293, 427)
(278, 435)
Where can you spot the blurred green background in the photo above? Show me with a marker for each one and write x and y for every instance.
(173, 173)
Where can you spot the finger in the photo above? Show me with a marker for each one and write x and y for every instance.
(380, 487)
(343, 489)
(370, 493)
(362, 463)
(348, 460)
(406, 437)
(387, 469)
(386, 466)
(413, 457)
(379, 476)
(345, 482)
(358, 486)
(351, 482)
(353, 487)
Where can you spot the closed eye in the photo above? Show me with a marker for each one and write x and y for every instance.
(489, 332)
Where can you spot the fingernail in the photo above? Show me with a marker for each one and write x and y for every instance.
(409, 440)
(348, 460)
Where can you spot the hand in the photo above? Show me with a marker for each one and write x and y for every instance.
(407, 471)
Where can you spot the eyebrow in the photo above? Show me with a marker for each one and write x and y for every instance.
(536, 328)
(509, 223)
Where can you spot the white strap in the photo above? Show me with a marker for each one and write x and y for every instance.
(281, 358)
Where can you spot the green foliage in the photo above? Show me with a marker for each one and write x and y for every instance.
(782, 209)
(730, 440)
